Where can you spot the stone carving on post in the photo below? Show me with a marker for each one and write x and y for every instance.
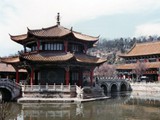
(23, 89)
(79, 92)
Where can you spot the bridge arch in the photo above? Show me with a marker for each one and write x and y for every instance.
(114, 88)
(105, 88)
(123, 87)
(6, 94)
(9, 90)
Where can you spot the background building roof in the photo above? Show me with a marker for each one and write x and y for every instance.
(147, 65)
(143, 49)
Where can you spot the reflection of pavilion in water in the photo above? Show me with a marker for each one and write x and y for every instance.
(68, 111)
(46, 110)
(121, 105)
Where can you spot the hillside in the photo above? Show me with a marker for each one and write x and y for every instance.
(111, 48)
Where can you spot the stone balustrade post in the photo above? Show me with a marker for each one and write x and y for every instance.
(54, 86)
(69, 87)
(61, 86)
(39, 87)
(47, 86)
(23, 89)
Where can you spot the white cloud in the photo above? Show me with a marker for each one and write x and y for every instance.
(148, 29)
(17, 15)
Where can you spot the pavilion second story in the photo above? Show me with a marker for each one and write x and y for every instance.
(54, 39)
(143, 52)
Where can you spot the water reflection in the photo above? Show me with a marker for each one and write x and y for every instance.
(121, 106)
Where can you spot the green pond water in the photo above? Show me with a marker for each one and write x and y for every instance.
(119, 107)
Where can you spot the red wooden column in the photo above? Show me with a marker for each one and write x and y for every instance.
(158, 77)
(67, 75)
(32, 76)
(91, 76)
(17, 76)
(66, 46)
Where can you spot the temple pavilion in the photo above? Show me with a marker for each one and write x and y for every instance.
(55, 55)
(144, 58)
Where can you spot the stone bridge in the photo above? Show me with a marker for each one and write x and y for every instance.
(111, 85)
(9, 90)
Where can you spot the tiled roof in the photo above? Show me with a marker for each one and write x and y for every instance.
(141, 49)
(10, 60)
(49, 57)
(60, 31)
(148, 65)
(84, 37)
(54, 57)
(88, 59)
(8, 68)
(54, 31)
(19, 37)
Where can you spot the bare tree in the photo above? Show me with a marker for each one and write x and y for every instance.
(4, 113)
(139, 69)
(105, 70)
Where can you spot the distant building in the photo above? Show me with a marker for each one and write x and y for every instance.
(144, 59)
(55, 55)
(7, 71)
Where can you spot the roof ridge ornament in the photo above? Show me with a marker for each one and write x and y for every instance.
(71, 29)
(58, 18)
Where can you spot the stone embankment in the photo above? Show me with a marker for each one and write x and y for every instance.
(146, 91)
(146, 87)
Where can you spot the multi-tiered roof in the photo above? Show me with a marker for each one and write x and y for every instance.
(56, 33)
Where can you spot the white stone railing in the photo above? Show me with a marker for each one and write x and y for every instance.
(49, 88)
(109, 78)
(150, 87)
(10, 83)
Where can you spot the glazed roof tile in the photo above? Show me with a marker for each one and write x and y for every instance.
(19, 37)
(10, 59)
(142, 49)
(88, 59)
(48, 57)
(8, 68)
(54, 57)
(148, 65)
(54, 31)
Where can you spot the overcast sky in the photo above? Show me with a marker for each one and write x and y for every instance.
(107, 18)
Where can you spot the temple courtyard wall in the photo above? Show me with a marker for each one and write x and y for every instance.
(146, 91)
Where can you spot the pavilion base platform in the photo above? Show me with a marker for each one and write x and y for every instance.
(57, 100)
(60, 93)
